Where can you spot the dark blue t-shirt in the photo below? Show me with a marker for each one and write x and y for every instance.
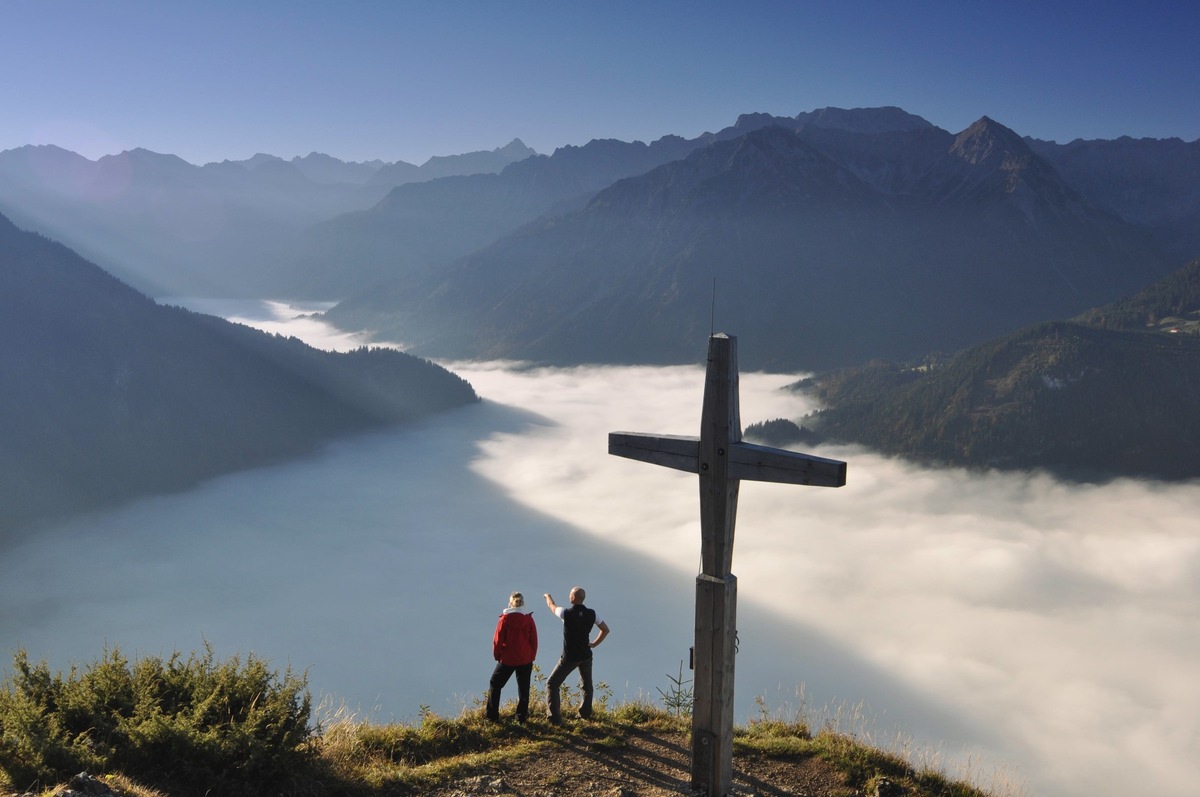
(577, 630)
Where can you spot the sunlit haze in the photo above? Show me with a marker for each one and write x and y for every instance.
(1034, 636)
(1017, 628)
(210, 81)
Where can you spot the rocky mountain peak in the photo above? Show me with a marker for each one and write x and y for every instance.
(986, 141)
(259, 159)
(997, 159)
(753, 121)
(515, 150)
(887, 119)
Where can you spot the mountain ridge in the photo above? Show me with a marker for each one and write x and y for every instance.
(820, 267)
(404, 239)
(110, 396)
(1152, 182)
(1016, 236)
(1105, 394)
(420, 226)
(172, 228)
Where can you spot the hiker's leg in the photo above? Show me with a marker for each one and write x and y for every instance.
(553, 695)
(524, 673)
(500, 677)
(585, 683)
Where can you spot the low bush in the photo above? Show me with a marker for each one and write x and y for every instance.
(193, 725)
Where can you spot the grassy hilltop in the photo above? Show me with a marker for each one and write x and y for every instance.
(194, 726)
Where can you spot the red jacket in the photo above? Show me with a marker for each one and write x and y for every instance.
(515, 641)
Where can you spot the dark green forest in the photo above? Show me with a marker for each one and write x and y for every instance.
(1109, 393)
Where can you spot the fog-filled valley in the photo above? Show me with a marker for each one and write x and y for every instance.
(1009, 623)
(316, 320)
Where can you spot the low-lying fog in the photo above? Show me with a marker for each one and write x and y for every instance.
(1008, 623)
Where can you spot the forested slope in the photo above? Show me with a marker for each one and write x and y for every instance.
(1109, 393)
(108, 395)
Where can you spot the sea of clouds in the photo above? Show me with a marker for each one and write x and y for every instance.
(1039, 636)
(1058, 623)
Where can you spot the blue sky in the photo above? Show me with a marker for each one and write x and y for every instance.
(408, 80)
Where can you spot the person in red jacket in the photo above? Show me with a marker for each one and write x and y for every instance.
(514, 647)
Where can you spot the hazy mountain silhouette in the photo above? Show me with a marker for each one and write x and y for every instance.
(108, 395)
(832, 236)
(322, 168)
(480, 162)
(171, 228)
(421, 226)
(164, 225)
(1109, 393)
(827, 246)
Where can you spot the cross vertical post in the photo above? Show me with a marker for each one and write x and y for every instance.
(716, 586)
(721, 460)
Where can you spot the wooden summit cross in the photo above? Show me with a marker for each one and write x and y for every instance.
(722, 460)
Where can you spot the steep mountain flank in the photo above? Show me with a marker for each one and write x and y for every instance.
(108, 396)
(422, 227)
(425, 225)
(826, 247)
(1151, 182)
(1109, 393)
(170, 228)
(165, 226)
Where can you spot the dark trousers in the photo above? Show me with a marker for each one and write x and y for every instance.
(500, 677)
(553, 686)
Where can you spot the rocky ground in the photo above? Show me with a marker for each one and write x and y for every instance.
(644, 765)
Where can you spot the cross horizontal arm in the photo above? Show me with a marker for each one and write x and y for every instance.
(762, 464)
(672, 451)
(746, 460)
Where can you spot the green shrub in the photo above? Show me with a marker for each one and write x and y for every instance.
(195, 725)
(680, 696)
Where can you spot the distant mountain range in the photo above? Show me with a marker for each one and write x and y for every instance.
(109, 396)
(824, 240)
(420, 228)
(1150, 182)
(170, 228)
(1111, 392)
(817, 243)
(481, 162)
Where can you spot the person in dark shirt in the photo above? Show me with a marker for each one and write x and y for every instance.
(514, 647)
(578, 621)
